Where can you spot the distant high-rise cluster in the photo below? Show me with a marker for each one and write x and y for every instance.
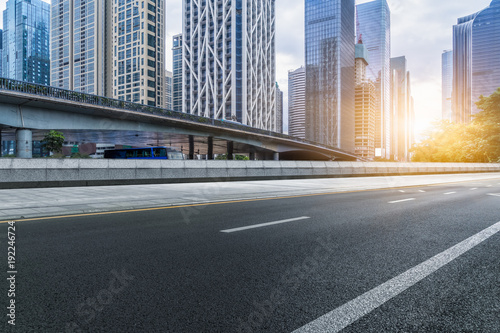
(348, 100)
(476, 65)
(349, 95)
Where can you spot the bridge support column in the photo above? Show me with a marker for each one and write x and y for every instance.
(210, 154)
(276, 156)
(24, 143)
(1, 143)
(230, 150)
(191, 147)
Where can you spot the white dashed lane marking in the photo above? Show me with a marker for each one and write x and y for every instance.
(404, 200)
(347, 314)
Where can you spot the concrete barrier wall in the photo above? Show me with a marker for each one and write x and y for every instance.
(16, 173)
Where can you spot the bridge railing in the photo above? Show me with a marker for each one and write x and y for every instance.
(70, 95)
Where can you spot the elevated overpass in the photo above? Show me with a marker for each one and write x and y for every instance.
(28, 110)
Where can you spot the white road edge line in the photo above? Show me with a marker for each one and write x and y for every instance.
(404, 200)
(494, 194)
(450, 193)
(347, 314)
(227, 231)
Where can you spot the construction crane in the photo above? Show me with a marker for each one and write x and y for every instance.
(359, 35)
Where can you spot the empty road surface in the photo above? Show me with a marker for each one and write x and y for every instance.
(415, 258)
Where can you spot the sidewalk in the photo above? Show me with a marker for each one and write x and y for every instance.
(29, 203)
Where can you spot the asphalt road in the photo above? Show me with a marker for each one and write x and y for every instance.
(188, 270)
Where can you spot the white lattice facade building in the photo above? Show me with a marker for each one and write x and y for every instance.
(229, 61)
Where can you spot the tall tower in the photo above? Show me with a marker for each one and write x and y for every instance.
(177, 73)
(229, 61)
(26, 34)
(447, 83)
(329, 45)
(402, 109)
(279, 109)
(374, 23)
(476, 60)
(81, 50)
(168, 90)
(364, 105)
(297, 103)
(138, 51)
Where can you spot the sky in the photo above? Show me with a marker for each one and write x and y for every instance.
(421, 30)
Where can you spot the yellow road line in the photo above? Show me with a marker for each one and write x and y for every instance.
(227, 202)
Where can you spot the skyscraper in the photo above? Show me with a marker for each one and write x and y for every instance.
(138, 51)
(447, 84)
(168, 90)
(476, 60)
(329, 45)
(279, 109)
(81, 50)
(229, 61)
(374, 25)
(402, 106)
(26, 41)
(297, 103)
(177, 73)
(364, 105)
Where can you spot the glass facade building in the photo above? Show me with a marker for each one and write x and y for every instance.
(229, 61)
(80, 46)
(476, 60)
(329, 46)
(374, 27)
(177, 73)
(447, 84)
(26, 34)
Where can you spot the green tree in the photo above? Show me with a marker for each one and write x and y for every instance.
(53, 141)
(478, 141)
(235, 157)
(489, 120)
